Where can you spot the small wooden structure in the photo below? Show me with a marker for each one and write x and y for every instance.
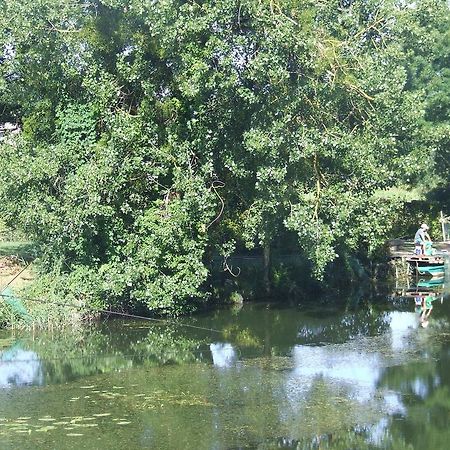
(400, 250)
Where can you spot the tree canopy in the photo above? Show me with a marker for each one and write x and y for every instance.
(156, 134)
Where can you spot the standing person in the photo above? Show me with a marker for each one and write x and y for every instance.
(420, 238)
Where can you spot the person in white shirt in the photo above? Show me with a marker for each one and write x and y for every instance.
(420, 238)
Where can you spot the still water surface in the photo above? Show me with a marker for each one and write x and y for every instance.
(332, 373)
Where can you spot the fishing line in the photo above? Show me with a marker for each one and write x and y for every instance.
(15, 276)
(116, 313)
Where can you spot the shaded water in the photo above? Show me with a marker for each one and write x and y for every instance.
(331, 373)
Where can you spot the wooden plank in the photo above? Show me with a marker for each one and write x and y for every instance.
(426, 259)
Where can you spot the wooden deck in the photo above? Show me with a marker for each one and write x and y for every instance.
(426, 260)
(404, 250)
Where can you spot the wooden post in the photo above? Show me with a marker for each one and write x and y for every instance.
(443, 226)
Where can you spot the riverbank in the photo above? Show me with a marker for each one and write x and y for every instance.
(46, 304)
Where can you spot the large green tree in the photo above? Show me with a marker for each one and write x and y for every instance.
(157, 133)
(426, 38)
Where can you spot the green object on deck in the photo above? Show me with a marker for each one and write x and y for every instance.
(429, 250)
(14, 302)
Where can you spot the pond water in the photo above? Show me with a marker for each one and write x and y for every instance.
(330, 373)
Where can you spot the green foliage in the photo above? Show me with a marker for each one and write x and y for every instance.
(154, 134)
(8, 316)
(427, 28)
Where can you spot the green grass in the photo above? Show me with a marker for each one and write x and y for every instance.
(22, 249)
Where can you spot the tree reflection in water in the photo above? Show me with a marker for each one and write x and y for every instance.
(361, 377)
